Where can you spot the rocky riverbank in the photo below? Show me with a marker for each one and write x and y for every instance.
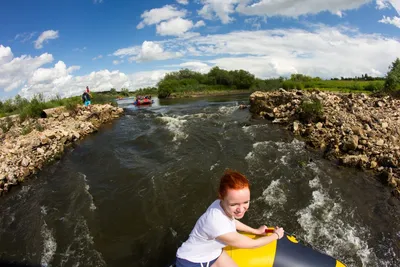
(29, 145)
(353, 129)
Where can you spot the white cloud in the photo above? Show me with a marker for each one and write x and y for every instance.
(102, 80)
(46, 35)
(79, 49)
(24, 37)
(55, 75)
(174, 27)
(117, 62)
(382, 4)
(220, 9)
(394, 21)
(183, 2)
(199, 24)
(157, 15)
(14, 72)
(324, 51)
(293, 8)
(98, 57)
(396, 5)
(149, 51)
(193, 65)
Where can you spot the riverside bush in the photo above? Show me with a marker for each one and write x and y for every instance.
(310, 110)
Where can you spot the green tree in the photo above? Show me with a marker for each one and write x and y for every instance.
(125, 91)
(113, 91)
(393, 76)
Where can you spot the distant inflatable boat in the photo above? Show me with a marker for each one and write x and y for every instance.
(285, 252)
(143, 102)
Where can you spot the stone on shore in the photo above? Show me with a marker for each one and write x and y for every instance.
(355, 129)
(21, 155)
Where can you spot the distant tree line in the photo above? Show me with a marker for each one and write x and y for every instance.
(186, 80)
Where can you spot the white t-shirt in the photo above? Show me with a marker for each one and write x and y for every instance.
(201, 245)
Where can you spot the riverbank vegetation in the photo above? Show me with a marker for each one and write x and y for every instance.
(218, 81)
(186, 82)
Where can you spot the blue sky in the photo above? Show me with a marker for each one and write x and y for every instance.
(59, 47)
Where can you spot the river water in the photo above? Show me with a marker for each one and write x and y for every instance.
(131, 193)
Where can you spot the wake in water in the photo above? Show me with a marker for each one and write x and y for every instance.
(87, 187)
(322, 224)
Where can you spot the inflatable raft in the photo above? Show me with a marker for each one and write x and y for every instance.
(143, 102)
(285, 252)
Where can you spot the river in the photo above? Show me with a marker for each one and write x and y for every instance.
(129, 194)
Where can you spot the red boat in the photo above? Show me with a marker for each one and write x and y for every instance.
(143, 102)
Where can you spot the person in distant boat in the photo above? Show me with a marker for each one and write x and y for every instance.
(218, 227)
(86, 98)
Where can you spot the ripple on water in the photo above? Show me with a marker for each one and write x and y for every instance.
(49, 245)
(175, 126)
(87, 187)
(323, 224)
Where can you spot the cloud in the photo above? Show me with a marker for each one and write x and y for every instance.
(117, 62)
(293, 8)
(382, 4)
(24, 37)
(396, 5)
(79, 49)
(14, 72)
(97, 1)
(98, 57)
(56, 75)
(321, 51)
(192, 65)
(46, 35)
(157, 15)
(103, 80)
(174, 27)
(149, 51)
(394, 21)
(217, 8)
(199, 24)
(183, 2)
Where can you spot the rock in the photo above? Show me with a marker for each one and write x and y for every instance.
(25, 162)
(354, 160)
(50, 134)
(373, 164)
(296, 126)
(40, 150)
(350, 143)
(385, 125)
(25, 172)
(358, 131)
(388, 161)
(319, 125)
(380, 142)
(44, 140)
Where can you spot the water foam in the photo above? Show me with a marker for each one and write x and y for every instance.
(49, 245)
(175, 126)
(322, 224)
(273, 194)
(80, 250)
(227, 110)
(213, 166)
(87, 187)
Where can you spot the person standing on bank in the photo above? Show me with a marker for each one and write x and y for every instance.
(86, 98)
(218, 226)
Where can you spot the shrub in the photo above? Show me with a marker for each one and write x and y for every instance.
(6, 124)
(27, 129)
(310, 110)
(39, 127)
